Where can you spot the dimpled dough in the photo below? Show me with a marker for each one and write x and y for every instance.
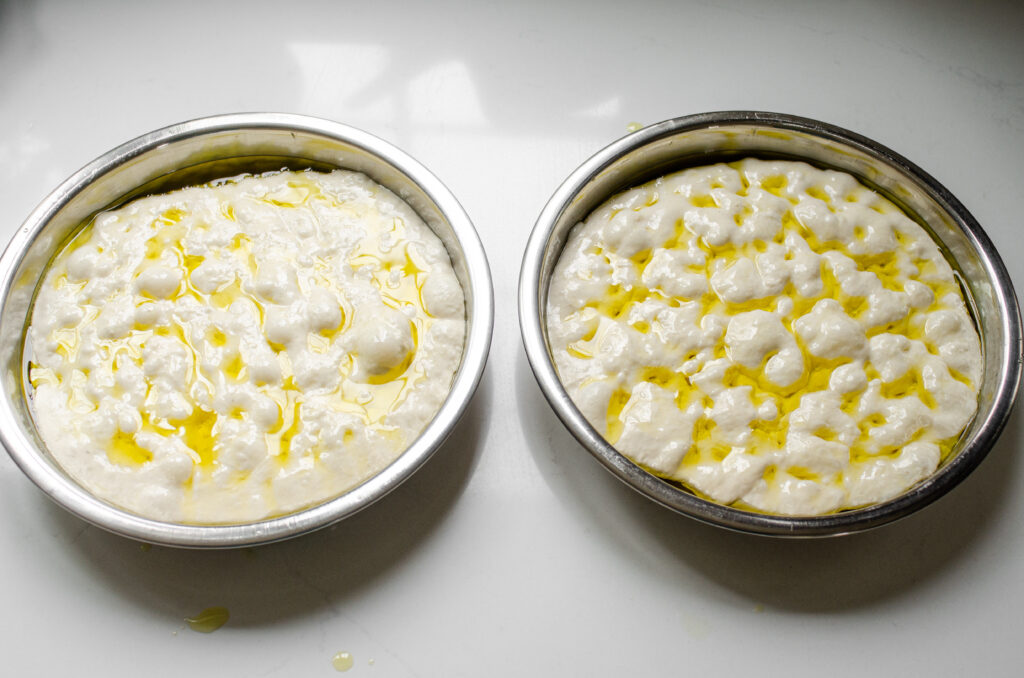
(244, 349)
(772, 335)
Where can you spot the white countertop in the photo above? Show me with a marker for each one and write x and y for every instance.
(513, 552)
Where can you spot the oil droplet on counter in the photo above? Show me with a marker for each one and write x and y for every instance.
(209, 620)
(634, 127)
(343, 661)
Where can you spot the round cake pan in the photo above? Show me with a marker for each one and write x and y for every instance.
(196, 152)
(709, 138)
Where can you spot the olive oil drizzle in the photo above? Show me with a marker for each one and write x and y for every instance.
(398, 272)
(891, 268)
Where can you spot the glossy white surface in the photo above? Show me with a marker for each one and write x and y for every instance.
(512, 552)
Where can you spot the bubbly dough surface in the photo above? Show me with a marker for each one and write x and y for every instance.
(244, 349)
(775, 336)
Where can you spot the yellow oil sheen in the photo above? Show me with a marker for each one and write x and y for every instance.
(200, 430)
(209, 620)
(891, 268)
(124, 451)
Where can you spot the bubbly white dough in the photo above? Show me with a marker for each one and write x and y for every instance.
(773, 335)
(244, 349)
